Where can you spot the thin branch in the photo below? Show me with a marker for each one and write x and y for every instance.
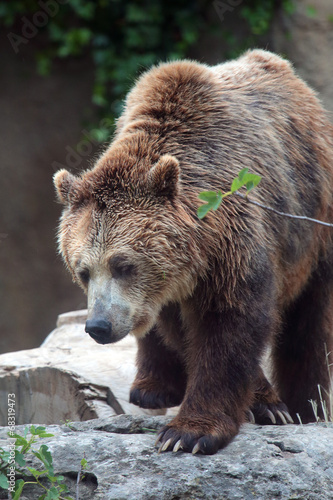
(79, 477)
(301, 217)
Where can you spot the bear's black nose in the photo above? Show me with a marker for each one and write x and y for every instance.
(100, 330)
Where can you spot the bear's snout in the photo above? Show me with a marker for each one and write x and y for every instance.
(100, 330)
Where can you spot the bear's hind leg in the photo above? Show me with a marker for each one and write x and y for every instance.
(299, 353)
(267, 407)
(161, 379)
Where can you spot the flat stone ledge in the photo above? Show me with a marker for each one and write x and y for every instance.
(262, 462)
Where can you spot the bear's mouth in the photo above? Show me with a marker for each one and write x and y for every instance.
(100, 339)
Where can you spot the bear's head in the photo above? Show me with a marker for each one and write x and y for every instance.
(129, 242)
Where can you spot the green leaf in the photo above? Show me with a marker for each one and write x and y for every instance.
(242, 173)
(36, 473)
(18, 489)
(84, 463)
(3, 481)
(245, 179)
(20, 441)
(249, 185)
(213, 202)
(46, 455)
(40, 456)
(208, 196)
(63, 488)
(236, 184)
(4, 455)
(52, 494)
(252, 181)
(203, 210)
(39, 430)
(217, 202)
(214, 199)
(19, 458)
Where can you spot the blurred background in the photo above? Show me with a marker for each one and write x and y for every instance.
(66, 66)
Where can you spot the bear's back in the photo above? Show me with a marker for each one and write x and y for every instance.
(253, 112)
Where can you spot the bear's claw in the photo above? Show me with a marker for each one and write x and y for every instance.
(271, 416)
(170, 439)
(196, 449)
(177, 446)
(250, 417)
(165, 446)
(267, 413)
(285, 417)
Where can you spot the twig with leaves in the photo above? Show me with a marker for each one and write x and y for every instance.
(213, 200)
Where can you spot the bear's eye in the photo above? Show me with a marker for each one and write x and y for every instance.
(121, 268)
(84, 276)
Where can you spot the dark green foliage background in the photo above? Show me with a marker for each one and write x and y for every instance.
(124, 37)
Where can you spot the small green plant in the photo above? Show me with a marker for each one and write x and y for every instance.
(213, 200)
(67, 423)
(52, 487)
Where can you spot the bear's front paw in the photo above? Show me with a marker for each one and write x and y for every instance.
(196, 437)
(265, 413)
(152, 395)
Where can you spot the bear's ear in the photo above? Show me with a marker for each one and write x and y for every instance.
(163, 177)
(64, 183)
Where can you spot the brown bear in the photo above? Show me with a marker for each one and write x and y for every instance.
(204, 298)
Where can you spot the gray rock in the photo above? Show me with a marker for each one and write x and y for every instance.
(69, 377)
(263, 462)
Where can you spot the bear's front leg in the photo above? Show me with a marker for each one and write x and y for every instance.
(222, 364)
(161, 379)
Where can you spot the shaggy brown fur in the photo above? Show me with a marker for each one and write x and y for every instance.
(204, 298)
